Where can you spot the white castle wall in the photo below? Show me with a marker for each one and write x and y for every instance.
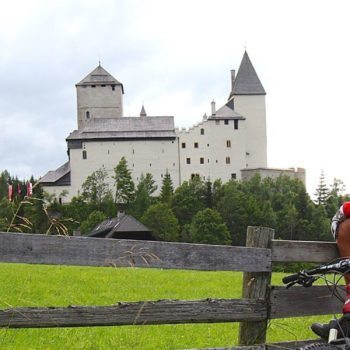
(213, 148)
(143, 156)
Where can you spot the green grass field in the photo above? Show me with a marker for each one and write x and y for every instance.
(39, 285)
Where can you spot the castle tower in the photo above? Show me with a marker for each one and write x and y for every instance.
(99, 95)
(248, 98)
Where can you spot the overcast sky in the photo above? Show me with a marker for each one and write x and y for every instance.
(175, 57)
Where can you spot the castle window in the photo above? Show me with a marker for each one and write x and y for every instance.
(236, 124)
(84, 154)
(202, 131)
(228, 160)
(87, 115)
(196, 145)
(193, 176)
(226, 121)
(228, 143)
(113, 87)
(188, 160)
(217, 122)
(234, 176)
(183, 144)
(93, 86)
(103, 85)
(201, 160)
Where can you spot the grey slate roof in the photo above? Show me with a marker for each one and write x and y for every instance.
(126, 127)
(247, 81)
(120, 227)
(99, 76)
(56, 175)
(226, 112)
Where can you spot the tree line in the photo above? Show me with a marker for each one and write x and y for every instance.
(197, 211)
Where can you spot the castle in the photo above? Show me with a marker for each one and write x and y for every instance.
(231, 143)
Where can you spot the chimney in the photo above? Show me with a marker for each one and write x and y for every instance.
(213, 108)
(233, 77)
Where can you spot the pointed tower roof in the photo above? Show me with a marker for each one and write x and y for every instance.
(99, 76)
(247, 81)
(143, 112)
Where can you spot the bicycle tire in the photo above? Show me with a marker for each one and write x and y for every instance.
(320, 346)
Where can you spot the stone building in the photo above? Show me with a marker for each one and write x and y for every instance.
(231, 143)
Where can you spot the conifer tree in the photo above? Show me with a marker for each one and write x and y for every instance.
(167, 190)
(143, 195)
(322, 191)
(125, 187)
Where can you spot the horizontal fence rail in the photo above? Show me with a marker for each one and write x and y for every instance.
(67, 250)
(303, 251)
(270, 346)
(137, 313)
(300, 301)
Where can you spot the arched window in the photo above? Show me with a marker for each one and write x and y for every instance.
(87, 114)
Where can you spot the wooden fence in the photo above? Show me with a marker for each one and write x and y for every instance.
(260, 301)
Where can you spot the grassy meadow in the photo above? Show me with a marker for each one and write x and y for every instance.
(41, 285)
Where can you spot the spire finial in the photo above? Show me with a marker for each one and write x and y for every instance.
(143, 111)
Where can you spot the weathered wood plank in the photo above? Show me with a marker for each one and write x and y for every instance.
(300, 301)
(252, 347)
(137, 313)
(67, 250)
(255, 286)
(303, 251)
(271, 346)
(292, 344)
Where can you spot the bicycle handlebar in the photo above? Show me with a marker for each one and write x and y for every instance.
(291, 278)
(305, 277)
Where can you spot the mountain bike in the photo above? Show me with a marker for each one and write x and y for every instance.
(337, 331)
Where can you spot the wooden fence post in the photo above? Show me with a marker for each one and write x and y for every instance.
(256, 286)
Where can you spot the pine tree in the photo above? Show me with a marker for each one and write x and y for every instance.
(322, 191)
(143, 195)
(125, 187)
(167, 190)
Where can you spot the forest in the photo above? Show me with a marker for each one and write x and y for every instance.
(197, 211)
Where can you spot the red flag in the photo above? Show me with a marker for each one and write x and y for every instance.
(29, 189)
(10, 192)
